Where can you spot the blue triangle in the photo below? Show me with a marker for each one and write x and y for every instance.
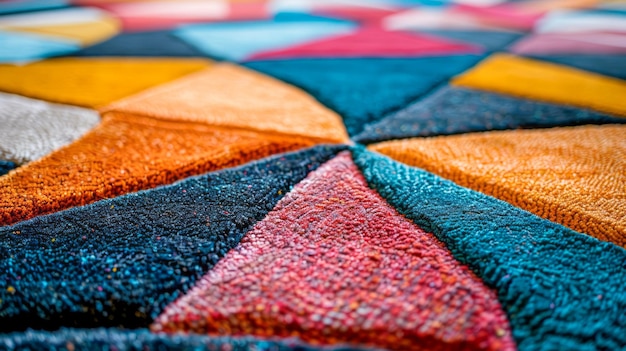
(364, 90)
(559, 288)
(23, 47)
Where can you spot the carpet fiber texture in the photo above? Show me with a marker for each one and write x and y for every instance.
(32, 128)
(312, 175)
(332, 261)
(562, 174)
(126, 258)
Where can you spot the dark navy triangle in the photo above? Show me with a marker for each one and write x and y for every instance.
(452, 110)
(138, 44)
(119, 262)
(608, 65)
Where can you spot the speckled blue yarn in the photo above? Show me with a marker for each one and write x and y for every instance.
(364, 90)
(561, 290)
(6, 166)
(452, 110)
(608, 65)
(490, 40)
(143, 340)
(118, 262)
(153, 43)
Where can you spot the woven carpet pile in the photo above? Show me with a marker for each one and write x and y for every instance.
(303, 175)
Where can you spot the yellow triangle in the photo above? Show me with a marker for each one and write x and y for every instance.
(85, 33)
(508, 74)
(232, 96)
(92, 82)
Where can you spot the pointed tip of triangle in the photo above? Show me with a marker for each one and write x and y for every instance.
(335, 253)
(232, 96)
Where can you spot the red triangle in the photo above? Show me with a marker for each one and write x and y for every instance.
(372, 42)
(334, 263)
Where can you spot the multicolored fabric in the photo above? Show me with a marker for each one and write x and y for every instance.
(312, 175)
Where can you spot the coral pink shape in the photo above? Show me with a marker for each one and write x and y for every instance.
(372, 42)
(334, 263)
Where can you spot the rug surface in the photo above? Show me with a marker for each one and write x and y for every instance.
(312, 175)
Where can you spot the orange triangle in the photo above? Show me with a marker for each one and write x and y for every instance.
(573, 176)
(126, 154)
(232, 96)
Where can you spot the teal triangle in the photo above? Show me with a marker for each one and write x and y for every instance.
(364, 90)
(562, 290)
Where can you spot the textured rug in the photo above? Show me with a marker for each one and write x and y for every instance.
(312, 175)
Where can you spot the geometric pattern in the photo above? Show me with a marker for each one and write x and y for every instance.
(346, 84)
(92, 82)
(264, 104)
(127, 153)
(237, 42)
(160, 259)
(336, 241)
(456, 110)
(148, 44)
(546, 82)
(304, 175)
(554, 283)
(562, 174)
(371, 43)
(82, 25)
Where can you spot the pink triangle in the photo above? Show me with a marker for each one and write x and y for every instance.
(373, 42)
(334, 263)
